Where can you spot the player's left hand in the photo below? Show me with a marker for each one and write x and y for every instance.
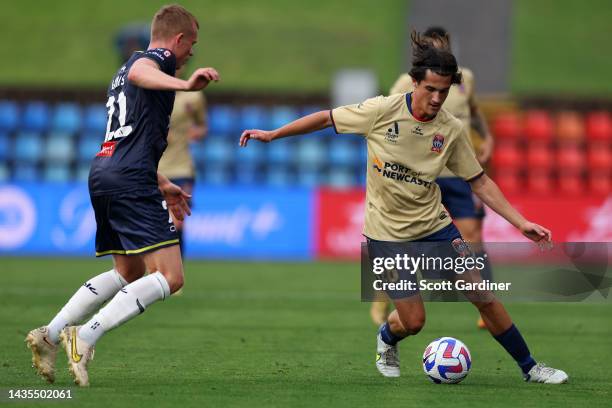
(176, 199)
(485, 151)
(537, 233)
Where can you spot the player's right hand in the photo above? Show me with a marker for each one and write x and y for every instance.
(261, 135)
(201, 77)
(176, 200)
(537, 233)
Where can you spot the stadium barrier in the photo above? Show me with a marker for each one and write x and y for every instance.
(47, 219)
(57, 220)
(571, 219)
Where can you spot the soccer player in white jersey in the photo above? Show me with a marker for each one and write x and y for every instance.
(410, 139)
(130, 200)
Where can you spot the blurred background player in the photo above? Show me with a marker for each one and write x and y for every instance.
(466, 210)
(413, 132)
(130, 200)
(187, 125)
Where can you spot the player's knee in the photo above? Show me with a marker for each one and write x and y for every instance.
(130, 268)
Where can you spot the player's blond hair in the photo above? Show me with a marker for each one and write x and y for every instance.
(171, 20)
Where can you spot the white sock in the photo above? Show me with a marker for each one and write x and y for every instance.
(128, 303)
(85, 301)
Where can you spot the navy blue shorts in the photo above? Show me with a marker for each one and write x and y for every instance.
(132, 223)
(444, 243)
(458, 198)
(446, 234)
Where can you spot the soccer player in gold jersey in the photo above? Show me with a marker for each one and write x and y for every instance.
(466, 211)
(410, 139)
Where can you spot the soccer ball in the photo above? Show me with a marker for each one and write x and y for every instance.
(446, 361)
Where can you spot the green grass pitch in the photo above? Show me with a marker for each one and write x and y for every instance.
(291, 334)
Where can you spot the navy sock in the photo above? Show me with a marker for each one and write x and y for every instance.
(486, 273)
(515, 345)
(387, 336)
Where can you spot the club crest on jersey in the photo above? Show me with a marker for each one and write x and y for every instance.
(392, 133)
(437, 143)
(108, 148)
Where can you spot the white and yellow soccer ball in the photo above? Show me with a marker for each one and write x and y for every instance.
(446, 361)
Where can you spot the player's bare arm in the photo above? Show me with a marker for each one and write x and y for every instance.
(176, 198)
(491, 195)
(145, 73)
(310, 123)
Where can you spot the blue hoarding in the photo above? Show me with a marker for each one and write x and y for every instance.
(229, 223)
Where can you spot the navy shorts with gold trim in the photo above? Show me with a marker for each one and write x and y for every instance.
(132, 223)
(446, 242)
(458, 199)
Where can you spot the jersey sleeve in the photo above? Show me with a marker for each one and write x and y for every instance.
(202, 109)
(195, 107)
(402, 85)
(163, 57)
(468, 82)
(462, 159)
(358, 118)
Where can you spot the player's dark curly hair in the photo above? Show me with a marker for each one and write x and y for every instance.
(434, 31)
(433, 52)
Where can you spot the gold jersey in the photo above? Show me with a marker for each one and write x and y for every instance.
(405, 156)
(459, 101)
(189, 110)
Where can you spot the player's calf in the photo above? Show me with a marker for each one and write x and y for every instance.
(495, 313)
